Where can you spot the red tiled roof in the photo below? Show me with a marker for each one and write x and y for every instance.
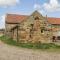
(13, 18)
(53, 20)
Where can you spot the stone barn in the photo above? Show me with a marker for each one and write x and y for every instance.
(32, 28)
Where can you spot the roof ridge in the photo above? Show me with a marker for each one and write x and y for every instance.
(17, 14)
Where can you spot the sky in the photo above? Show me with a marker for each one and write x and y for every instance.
(51, 8)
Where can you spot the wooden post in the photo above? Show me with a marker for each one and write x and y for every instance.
(17, 34)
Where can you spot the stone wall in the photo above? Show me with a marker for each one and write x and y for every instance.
(31, 30)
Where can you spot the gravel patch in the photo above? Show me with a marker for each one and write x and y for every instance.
(14, 53)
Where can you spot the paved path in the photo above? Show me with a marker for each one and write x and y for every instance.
(14, 53)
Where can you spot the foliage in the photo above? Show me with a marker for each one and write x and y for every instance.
(38, 45)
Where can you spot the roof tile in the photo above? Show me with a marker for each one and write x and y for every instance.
(13, 18)
(54, 20)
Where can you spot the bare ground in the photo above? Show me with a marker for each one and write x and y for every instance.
(14, 53)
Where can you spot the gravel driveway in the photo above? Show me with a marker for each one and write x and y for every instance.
(14, 53)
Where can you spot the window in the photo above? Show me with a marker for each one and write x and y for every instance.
(31, 24)
(36, 18)
(42, 30)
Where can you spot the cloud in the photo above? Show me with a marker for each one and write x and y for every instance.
(9, 2)
(37, 6)
(2, 21)
(53, 5)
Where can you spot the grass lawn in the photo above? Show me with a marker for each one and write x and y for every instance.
(42, 46)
